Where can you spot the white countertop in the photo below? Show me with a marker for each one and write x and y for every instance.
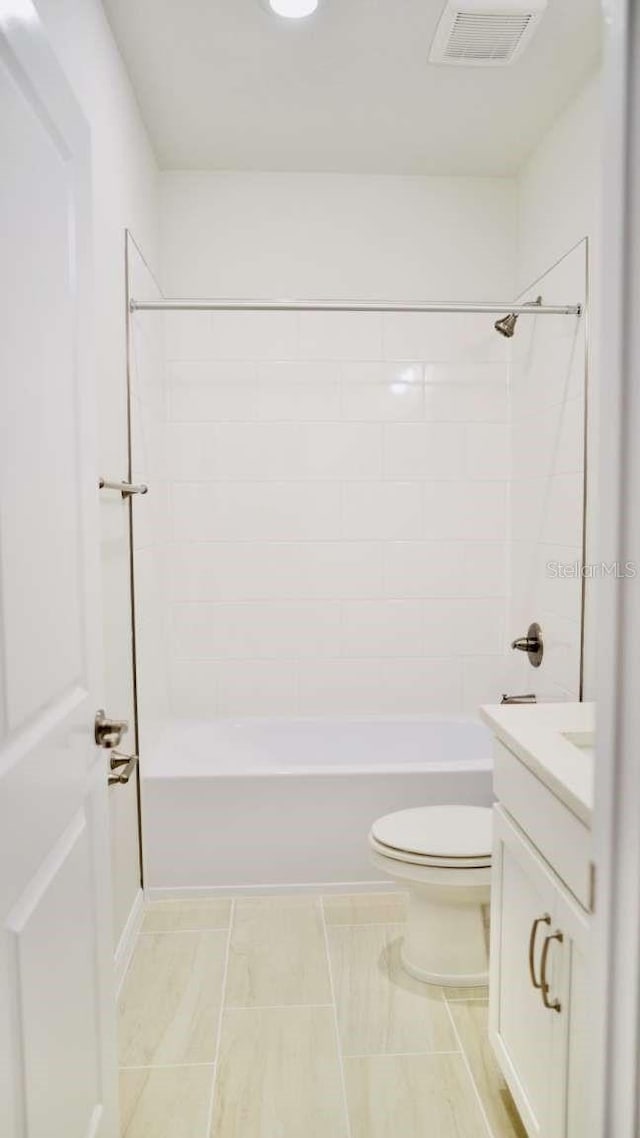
(556, 742)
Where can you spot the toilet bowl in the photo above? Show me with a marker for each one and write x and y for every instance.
(442, 856)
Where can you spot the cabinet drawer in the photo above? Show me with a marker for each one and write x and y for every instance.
(562, 839)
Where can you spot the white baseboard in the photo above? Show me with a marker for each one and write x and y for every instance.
(168, 893)
(127, 942)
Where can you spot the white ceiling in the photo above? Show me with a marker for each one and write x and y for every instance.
(225, 84)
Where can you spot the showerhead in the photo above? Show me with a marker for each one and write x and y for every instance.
(506, 325)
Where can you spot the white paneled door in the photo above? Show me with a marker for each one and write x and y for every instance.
(57, 1048)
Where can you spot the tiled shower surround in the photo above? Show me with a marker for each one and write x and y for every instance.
(338, 513)
(547, 381)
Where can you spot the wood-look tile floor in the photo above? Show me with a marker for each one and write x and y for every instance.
(283, 1016)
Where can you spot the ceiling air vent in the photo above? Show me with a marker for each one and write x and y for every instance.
(475, 33)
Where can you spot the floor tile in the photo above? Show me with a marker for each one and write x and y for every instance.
(170, 1003)
(416, 1096)
(381, 1009)
(471, 1020)
(365, 908)
(278, 953)
(165, 1102)
(186, 915)
(279, 1075)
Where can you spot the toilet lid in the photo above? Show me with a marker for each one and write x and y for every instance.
(446, 832)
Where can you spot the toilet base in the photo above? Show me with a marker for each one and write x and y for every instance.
(446, 941)
(445, 979)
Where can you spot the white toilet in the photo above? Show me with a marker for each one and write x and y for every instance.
(442, 856)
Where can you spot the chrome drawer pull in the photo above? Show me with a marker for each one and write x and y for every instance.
(553, 1005)
(545, 920)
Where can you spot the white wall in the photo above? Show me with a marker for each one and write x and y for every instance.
(124, 195)
(558, 204)
(337, 236)
(338, 492)
(559, 188)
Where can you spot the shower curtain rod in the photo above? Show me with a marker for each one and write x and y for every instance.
(177, 305)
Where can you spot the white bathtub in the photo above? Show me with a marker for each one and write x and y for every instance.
(259, 803)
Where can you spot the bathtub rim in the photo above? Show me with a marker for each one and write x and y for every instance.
(322, 773)
(325, 771)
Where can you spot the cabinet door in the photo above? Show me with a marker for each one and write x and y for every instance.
(523, 1031)
(571, 1102)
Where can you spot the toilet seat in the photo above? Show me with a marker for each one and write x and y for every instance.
(451, 837)
(422, 859)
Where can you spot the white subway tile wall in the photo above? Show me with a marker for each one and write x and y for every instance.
(338, 513)
(150, 511)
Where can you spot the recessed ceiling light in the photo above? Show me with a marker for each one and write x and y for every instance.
(293, 9)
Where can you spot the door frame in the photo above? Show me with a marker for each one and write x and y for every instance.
(616, 919)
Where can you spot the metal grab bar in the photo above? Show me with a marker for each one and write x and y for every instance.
(125, 488)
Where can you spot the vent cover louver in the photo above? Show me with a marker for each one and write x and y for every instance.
(473, 33)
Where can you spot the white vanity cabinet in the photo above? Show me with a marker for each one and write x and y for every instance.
(541, 899)
(538, 997)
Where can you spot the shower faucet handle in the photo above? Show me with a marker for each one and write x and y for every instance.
(525, 643)
(532, 644)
